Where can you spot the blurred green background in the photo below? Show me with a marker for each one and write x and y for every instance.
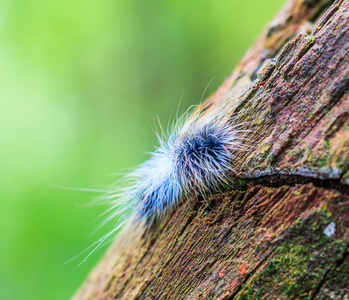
(81, 82)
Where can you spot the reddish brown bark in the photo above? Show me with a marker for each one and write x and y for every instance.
(282, 232)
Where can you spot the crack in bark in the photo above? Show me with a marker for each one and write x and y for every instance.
(322, 283)
(278, 180)
(335, 265)
(328, 15)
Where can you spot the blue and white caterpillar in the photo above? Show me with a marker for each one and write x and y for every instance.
(197, 158)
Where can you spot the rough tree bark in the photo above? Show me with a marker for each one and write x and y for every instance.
(282, 232)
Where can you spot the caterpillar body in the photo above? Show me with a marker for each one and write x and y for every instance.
(195, 159)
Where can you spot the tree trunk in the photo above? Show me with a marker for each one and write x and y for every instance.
(282, 232)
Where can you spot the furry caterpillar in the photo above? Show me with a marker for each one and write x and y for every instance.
(195, 159)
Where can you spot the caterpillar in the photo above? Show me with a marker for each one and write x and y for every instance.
(196, 158)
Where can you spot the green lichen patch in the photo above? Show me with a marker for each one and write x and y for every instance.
(299, 262)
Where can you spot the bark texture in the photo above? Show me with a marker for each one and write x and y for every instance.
(282, 231)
